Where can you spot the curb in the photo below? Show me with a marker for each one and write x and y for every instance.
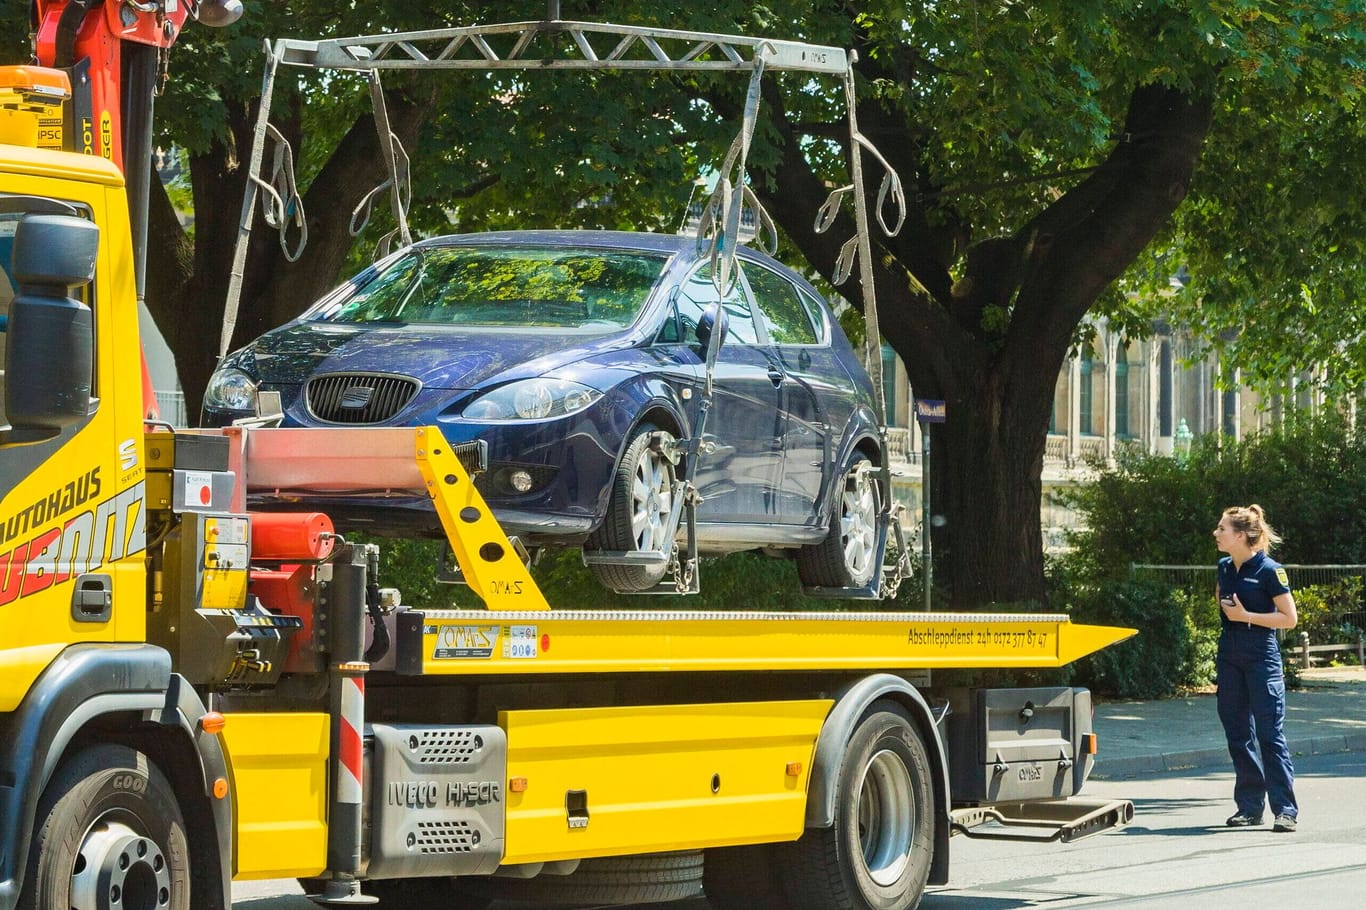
(1206, 758)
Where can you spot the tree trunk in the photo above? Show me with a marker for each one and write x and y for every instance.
(986, 467)
(991, 341)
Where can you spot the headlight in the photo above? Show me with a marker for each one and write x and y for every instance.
(231, 389)
(532, 399)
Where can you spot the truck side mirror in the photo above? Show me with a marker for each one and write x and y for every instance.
(49, 340)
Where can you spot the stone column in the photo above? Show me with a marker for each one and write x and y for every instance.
(1166, 425)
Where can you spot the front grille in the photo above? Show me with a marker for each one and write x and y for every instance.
(358, 398)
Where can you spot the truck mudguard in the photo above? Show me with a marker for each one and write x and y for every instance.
(850, 703)
(82, 683)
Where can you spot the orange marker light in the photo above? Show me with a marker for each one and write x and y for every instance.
(1089, 744)
(220, 788)
(517, 784)
(794, 769)
(213, 722)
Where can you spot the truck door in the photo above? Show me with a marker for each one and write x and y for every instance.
(71, 511)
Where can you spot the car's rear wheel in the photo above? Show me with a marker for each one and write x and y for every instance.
(847, 557)
(637, 518)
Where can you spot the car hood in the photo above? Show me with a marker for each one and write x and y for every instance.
(438, 358)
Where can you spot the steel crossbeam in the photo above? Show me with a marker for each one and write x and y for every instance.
(540, 45)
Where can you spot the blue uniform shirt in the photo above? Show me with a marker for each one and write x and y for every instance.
(1257, 583)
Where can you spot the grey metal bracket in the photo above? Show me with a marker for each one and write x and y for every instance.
(682, 563)
(1063, 820)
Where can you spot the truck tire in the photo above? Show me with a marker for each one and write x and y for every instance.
(646, 879)
(847, 556)
(637, 512)
(416, 893)
(742, 878)
(109, 832)
(877, 855)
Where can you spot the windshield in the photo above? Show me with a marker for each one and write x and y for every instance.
(548, 287)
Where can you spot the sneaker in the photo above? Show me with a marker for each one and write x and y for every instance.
(1284, 823)
(1247, 821)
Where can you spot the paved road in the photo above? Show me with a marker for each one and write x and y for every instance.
(1176, 854)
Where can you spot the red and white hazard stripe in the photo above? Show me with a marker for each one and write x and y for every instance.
(350, 749)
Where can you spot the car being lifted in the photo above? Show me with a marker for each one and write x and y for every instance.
(578, 358)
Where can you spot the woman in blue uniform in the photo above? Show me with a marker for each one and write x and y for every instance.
(1256, 601)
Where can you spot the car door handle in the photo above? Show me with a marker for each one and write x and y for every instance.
(775, 375)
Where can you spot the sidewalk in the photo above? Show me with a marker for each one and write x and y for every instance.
(1327, 714)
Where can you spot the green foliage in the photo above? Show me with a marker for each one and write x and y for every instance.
(1155, 509)
(1320, 609)
(994, 114)
(1159, 510)
(741, 581)
(1152, 663)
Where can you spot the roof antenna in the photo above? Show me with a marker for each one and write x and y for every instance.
(552, 12)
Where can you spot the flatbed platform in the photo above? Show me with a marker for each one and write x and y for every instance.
(470, 642)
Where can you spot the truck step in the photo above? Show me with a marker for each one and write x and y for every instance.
(1063, 820)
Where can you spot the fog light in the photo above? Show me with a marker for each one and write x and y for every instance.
(520, 480)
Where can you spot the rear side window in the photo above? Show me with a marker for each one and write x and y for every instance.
(788, 320)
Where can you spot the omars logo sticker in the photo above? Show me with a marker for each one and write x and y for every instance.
(34, 559)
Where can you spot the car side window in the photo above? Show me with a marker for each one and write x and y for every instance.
(788, 320)
(697, 295)
(818, 313)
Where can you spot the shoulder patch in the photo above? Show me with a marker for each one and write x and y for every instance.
(1282, 577)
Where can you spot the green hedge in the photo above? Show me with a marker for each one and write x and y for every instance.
(1310, 477)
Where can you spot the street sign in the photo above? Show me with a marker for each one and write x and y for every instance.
(930, 410)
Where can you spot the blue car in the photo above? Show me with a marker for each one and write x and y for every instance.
(579, 358)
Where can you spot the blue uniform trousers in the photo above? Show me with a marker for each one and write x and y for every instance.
(1252, 709)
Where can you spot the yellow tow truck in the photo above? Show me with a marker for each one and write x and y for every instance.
(193, 692)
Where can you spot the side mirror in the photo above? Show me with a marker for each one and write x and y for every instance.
(49, 345)
(713, 321)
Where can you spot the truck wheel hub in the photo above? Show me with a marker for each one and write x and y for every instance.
(118, 869)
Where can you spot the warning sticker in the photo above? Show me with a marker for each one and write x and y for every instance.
(465, 642)
(519, 642)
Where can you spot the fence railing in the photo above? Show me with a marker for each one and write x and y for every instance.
(1201, 578)
(172, 407)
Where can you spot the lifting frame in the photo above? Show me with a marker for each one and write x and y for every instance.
(555, 44)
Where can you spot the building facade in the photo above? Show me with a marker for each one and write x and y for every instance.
(1156, 394)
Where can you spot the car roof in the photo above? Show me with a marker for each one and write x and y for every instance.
(624, 240)
(682, 246)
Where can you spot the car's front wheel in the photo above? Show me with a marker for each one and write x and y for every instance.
(638, 511)
(847, 557)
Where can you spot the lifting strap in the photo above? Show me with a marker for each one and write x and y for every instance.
(719, 226)
(399, 182)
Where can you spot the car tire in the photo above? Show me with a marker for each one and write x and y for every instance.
(637, 512)
(108, 823)
(847, 557)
